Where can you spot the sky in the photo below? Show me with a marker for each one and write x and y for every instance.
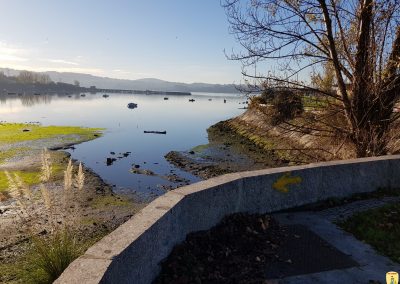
(173, 40)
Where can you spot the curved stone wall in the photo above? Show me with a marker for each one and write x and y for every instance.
(132, 253)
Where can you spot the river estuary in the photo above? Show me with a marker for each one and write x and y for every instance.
(124, 139)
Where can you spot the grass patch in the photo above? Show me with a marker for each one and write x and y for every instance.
(200, 148)
(230, 130)
(28, 177)
(14, 132)
(9, 273)
(336, 201)
(378, 227)
(105, 201)
(49, 257)
(11, 153)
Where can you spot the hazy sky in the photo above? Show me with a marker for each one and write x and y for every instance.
(175, 40)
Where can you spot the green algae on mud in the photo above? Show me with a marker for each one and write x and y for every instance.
(20, 141)
(226, 152)
(11, 133)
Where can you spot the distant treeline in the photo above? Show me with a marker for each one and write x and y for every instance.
(33, 82)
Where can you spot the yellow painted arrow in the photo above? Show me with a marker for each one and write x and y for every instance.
(282, 183)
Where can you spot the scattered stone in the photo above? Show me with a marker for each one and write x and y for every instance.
(132, 105)
(142, 172)
(110, 161)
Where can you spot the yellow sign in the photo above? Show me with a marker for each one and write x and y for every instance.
(392, 277)
(284, 181)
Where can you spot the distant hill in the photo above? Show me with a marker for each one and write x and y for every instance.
(87, 80)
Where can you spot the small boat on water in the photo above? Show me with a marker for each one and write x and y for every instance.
(105, 96)
(132, 105)
(165, 98)
(83, 95)
(191, 100)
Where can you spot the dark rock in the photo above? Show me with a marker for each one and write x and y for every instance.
(132, 105)
(110, 161)
(142, 172)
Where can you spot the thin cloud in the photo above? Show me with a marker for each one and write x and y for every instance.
(11, 53)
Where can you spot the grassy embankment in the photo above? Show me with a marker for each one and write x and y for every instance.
(292, 140)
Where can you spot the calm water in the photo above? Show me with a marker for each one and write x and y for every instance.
(185, 122)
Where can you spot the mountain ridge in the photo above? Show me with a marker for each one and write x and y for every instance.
(155, 84)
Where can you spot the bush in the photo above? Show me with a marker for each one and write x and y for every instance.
(49, 257)
(286, 105)
(267, 96)
(52, 253)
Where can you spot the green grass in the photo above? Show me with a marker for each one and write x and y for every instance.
(314, 102)
(49, 257)
(378, 227)
(200, 148)
(104, 201)
(13, 132)
(28, 177)
(12, 152)
(9, 273)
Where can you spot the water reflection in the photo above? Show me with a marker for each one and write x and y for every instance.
(185, 124)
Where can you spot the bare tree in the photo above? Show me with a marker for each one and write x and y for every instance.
(358, 39)
(28, 77)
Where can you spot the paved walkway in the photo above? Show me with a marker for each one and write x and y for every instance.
(372, 266)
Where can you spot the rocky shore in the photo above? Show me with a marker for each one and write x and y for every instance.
(226, 152)
(98, 209)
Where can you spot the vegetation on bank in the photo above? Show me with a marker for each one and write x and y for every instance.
(57, 221)
(379, 228)
(354, 72)
(11, 133)
(50, 254)
(17, 141)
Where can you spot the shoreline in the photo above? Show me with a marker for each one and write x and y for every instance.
(226, 152)
(249, 142)
(101, 209)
